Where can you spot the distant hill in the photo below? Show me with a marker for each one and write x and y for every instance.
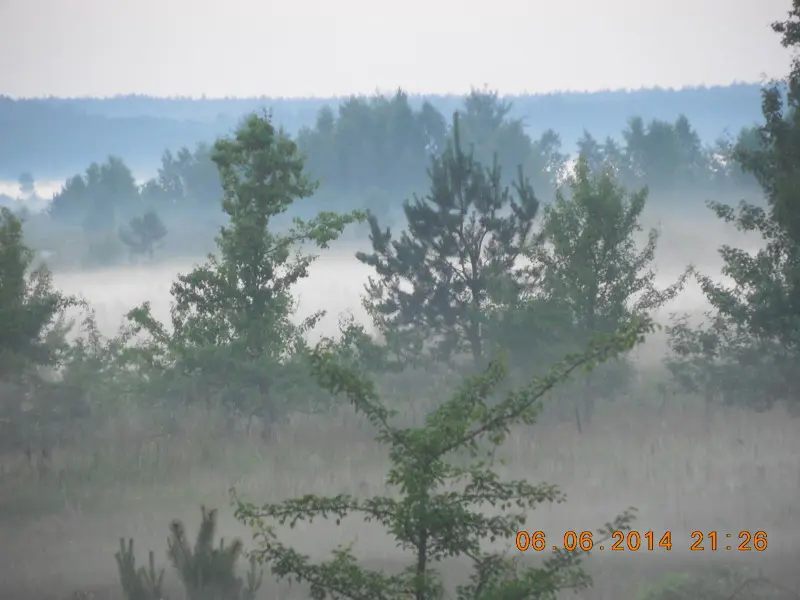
(57, 137)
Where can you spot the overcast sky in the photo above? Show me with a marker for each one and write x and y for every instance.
(334, 47)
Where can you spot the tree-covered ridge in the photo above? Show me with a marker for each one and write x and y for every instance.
(56, 136)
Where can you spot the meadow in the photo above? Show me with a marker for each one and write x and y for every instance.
(62, 520)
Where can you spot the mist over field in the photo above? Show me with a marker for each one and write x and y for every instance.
(336, 281)
(204, 304)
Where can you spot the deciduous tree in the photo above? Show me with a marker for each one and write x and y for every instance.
(438, 511)
(33, 324)
(592, 265)
(751, 347)
(231, 317)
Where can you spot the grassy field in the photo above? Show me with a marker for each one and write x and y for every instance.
(739, 472)
(61, 523)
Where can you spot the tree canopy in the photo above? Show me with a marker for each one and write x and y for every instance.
(748, 350)
(368, 152)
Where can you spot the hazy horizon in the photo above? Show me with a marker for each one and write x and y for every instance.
(391, 90)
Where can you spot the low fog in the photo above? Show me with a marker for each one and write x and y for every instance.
(336, 280)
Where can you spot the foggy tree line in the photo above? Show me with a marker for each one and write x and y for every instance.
(385, 144)
(373, 152)
(56, 136)
(730, 104)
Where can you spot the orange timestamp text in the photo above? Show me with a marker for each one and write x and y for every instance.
(634, 541)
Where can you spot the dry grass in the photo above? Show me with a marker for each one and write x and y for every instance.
(740, 473)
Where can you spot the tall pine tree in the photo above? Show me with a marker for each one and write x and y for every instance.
(463, 240)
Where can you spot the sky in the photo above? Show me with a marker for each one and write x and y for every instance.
(339, 47)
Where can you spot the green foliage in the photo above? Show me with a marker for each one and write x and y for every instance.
(727, 173)
(436, 513)
(378, 143)
(208, 572)
(600, 156)
(79, 128)
(357, 349)
(232, 334)
(141, 583)
(99, 198)
(372, 143)
(378, 149)
(186, 180)
(592, 266)
(383, 143)
(434, 283)
(750, 349)
(531, 329)
(664, 155)
(33, 343)
(143, 234)
(486, 126)
(30, 309)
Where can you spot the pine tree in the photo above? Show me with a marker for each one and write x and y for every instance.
(208, 572)
(141, 583)
(463, 239)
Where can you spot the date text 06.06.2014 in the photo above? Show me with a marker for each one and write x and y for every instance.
(635, 541)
